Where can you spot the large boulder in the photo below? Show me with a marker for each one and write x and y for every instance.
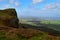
(8, 17)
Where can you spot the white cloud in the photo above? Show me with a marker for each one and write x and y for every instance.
(11, 1)
(52, 6)
(17, 4)
(7, 6)
(37, 1)
(2, 0)
(50, 9)
(14, 2)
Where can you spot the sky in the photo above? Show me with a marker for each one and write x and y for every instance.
(33, 8)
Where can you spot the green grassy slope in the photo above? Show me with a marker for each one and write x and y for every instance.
(24, 34)
(53, 24)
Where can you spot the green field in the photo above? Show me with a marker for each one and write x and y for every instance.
(50, 22)
(53, 24)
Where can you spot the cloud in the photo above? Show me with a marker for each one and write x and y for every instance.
(52, 9)
(17, 4)
(7, 6)
(52, 6)
(37, 1)
(2, 0)
(14, 2)
(11, 1)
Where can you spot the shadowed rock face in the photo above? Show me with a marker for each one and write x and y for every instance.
(8, 17)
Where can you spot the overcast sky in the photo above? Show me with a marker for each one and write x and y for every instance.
(35, 8)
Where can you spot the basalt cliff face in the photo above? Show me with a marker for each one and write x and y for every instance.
(8, 17)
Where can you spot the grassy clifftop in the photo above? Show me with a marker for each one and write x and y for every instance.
(8, 17)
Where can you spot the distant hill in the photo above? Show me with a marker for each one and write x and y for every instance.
(41, 18)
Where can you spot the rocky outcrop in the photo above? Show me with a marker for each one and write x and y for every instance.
(8, 17)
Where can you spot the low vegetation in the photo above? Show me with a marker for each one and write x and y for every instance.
(25, 34)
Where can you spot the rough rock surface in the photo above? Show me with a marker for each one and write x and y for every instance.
(8, 17)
